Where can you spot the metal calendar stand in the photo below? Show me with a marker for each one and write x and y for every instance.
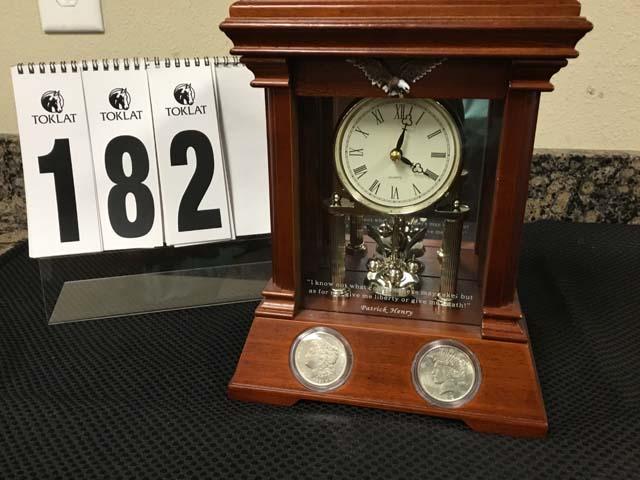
(112, 284)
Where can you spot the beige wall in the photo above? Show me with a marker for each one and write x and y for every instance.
(596, 104)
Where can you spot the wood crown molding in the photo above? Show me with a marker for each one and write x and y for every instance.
(492, 28)
(406, 8)
(534, 74)
(268, 72)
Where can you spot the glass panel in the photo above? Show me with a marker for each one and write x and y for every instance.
(88, 287)
(355, 259)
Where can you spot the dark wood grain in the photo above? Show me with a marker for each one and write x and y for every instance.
(506, 51)
(510, 195)
(508, 402)
(282, 131)
(407, 28)
(316, 77)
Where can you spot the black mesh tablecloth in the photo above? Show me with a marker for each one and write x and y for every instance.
(144, 397)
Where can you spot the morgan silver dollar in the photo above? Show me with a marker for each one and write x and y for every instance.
(321, 359)
(446, 373)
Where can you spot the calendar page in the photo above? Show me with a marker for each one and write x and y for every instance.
(124, 155)
(62, 213)
(243, 122)
(192, 168)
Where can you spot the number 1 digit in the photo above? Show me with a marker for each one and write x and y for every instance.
(58, 162)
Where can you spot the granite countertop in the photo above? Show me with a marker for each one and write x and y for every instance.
(573, 186)
(13, 214)
(585, 186)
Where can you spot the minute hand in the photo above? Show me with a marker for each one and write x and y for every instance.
(401, 139)
(417, 168)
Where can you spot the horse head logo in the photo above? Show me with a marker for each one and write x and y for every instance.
(52, 101)
(184, 94)
(120, 99)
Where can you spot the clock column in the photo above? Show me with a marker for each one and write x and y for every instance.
(502, 316)
(280, 299)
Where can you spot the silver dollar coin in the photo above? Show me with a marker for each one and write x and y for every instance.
(321, 359)
(446, 373)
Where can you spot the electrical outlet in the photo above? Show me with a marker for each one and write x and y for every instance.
(71, 16)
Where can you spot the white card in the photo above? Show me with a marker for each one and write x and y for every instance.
(124, 155)
(244, 131)
(192, 170)
(62, 214)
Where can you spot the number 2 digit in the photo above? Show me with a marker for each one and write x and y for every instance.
(189, 216)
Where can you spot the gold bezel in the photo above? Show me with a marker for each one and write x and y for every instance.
(353, 189)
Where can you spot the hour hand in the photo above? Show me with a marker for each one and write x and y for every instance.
(406, 161)
(417, 168)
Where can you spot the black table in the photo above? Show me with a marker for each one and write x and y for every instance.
(144, 397)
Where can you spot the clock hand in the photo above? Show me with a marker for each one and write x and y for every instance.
(396, 153)
(417, 168)
(401, 139)
(406, 161)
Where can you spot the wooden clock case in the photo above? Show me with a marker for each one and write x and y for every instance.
(505, 51)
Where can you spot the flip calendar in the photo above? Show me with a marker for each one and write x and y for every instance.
(129, 154)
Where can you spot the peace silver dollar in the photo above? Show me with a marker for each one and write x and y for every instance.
(321, 359)
(446, 373)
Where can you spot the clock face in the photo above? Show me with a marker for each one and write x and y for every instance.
(397, 156)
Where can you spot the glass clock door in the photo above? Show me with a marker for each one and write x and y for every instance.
(393, 200)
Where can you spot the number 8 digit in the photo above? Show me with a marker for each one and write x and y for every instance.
(125, 185)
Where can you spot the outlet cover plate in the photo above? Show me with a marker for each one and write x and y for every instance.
(71, 16)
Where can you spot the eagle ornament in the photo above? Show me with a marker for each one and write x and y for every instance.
(381, 76)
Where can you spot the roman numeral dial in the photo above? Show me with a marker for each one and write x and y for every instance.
(397, 156)
(360, 171)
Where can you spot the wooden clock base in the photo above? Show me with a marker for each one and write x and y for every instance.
(508, 402)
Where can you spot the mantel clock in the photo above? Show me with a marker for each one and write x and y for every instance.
(400, 140)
